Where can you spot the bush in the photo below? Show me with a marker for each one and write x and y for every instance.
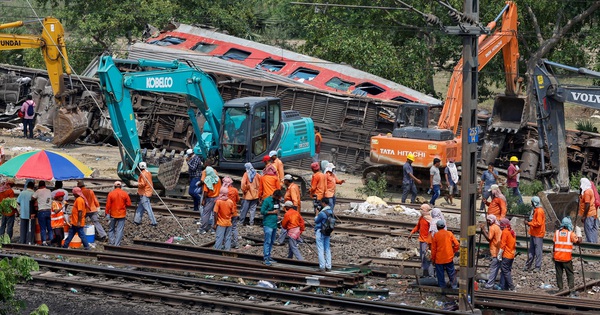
(375, 187)
(531, 188)
(12, 271)
(513, 207)
(574, 182)
(585, 125)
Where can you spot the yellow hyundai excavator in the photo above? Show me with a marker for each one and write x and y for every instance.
(68, 124)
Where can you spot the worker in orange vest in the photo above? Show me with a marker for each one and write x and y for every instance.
(506, 255)
(318, 183)
(443, 247)
(116, 212)
(537, 231)
(564, 238)
(57, 219)
(422, 228)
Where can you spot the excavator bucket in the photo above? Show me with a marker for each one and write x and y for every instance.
(68, 126)
(508, 114)
(168, 172)
(557, 206)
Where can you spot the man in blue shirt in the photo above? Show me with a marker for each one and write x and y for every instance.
(24, 200)
(194, 163)
(488, 178)
(409, 179)
(322, 241)
(269, 210)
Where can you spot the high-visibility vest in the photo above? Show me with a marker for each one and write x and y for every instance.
(563, 247)
(57, 220)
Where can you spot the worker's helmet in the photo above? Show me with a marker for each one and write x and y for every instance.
(189, 152)
(411, 157)
(514, 159)
(143, 165)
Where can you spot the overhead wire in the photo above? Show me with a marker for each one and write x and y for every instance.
(188, 235)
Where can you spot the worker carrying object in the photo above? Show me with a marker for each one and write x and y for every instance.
(564, 238)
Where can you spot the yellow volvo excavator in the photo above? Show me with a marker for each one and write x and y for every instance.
(68, 123)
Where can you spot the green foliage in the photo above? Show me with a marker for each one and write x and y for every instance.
(585, 125)
(575, 181)
(7, 205)
(531, 188)
(4, 239)
(42, 310)
(514, 207)
(11, 272)
(374, 187)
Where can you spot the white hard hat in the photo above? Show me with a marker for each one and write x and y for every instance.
(272, 153)
(118, 183)
(143, 165)
(288, 177)
(189, 151)
(288, 204)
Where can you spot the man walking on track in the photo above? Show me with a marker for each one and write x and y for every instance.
(116, 212)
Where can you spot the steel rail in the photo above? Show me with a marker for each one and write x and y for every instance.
(364, 306)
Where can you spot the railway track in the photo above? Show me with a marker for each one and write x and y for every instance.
(204, 294)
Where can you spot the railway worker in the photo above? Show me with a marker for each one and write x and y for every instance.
(424, 239)
(194, 163)
(435, 180)
(8, 219)
(278, 165)
(92, 211)
(506, 254)
(116, 212)
(58, 186)
(443, 247)
(332, 182)
(318, 140)
(493, 236)
(452, 178)
(537, 231)
(488, 178)
(26, 214)
(211, 190)
(224, 210)
(270, 180)
(77, 219)
(251, 192)
(318, 183)
(292, 194)
(43, 196)
(497, 206)
(588, 211)
(58, 219)
(409, 179)
(564, 238)
(323, 241)
(294, 224)
(28, 120)
(234, 195)
(145, 190)
(512, 179)
(270, 210)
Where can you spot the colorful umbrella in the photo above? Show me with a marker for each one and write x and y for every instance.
(45, 165)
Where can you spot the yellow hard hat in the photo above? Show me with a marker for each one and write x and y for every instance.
(411, 157)
(514, 159)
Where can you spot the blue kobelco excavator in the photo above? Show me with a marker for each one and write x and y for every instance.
(234, 133)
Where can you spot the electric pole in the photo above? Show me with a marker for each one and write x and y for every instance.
(470, 29)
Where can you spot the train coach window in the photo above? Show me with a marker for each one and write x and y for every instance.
(270, 65)
(339, 84)
(204, 47)
(401, 99)
(369, 88)
(236, 54)
(304, 74)
(168, 41)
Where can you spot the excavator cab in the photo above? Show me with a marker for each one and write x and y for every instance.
(254, 126)
(413, 121)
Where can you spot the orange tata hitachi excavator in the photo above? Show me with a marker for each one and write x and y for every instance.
(412, 134)
(68, 124)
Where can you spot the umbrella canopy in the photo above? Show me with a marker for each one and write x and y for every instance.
(45, 165)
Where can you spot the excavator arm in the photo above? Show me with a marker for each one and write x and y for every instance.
(52, 45)
(503, 39)
(551, 96)
(171, 77)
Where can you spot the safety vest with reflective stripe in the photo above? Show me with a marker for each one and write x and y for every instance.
(57, 220)
(563, 247)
